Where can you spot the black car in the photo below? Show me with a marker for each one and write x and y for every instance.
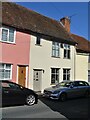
(13, 93)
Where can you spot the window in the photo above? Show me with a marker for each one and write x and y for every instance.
(55, 49)
(66, 51)
(8, 35)
(54, 75)
(66, 74)
(5, 71)
(38, 40)
(88, 75)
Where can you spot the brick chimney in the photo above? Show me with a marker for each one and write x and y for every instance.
(66, 22)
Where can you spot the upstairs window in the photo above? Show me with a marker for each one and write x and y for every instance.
(66, 74)
(8, 35)
(66, 51)
(55, 49)
(38, 40)
(5, 71)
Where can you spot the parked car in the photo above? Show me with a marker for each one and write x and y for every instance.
(13, 93)
(67, 89)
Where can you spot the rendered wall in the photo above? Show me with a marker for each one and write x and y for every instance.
(41, 58)
(81, 67)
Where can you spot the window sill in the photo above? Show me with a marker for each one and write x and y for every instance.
(67, 58)
(55, 57)
(8, 42)
(38, 45)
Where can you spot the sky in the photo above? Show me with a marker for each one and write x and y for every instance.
(77, 11)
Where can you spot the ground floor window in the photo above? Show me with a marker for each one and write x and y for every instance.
(88, 75)
(5, 71)
(54, 75)
(66, 74)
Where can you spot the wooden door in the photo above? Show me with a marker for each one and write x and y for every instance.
(21, 75)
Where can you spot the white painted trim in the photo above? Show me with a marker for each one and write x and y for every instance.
(26, 81)
(7, 28)
(17, 75)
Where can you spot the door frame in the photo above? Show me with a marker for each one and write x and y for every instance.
(26, 81)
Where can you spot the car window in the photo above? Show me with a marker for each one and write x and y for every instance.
(5, 85)
(9, 85)
(14, 86)
(80, 83)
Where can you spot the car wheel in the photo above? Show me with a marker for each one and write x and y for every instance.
(30, 100)
(63, 97)
(87, 94)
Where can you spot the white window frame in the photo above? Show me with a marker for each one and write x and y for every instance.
(55, 49)
(67, 48)
(56, 81)
(7, 69)
(66, 74)
(7, 28)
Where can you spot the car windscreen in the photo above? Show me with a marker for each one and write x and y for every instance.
(64, 84)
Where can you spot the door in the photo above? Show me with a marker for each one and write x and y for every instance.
(37, 78)
(21, 75)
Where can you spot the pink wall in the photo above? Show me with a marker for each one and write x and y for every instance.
(18, 53)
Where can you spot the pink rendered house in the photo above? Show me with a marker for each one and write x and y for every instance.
(14, 55)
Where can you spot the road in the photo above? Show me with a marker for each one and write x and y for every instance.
(75, 108)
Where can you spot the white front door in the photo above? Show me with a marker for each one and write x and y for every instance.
(37, 78)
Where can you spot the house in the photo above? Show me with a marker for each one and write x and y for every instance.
(15, 47)
(82, 51)
(44, 45)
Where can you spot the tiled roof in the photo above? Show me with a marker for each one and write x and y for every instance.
(29, 21)
(83, 44)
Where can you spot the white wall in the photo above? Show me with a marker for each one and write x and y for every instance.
(40, 58)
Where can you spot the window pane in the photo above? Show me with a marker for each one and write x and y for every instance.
(8, 66)
(65, 53)
(7, 74)
(38, 40)
(69, 54)
(4, 34)
(1, 74)
(5, 71)
(11, 35)
(1, 65)
(52, 78)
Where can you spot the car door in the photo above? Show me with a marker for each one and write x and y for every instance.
(12, 93)
(73, 90)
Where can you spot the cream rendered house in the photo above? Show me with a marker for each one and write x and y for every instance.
(48, 64)
(48, 68)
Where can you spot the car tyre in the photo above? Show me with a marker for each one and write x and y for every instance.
(63, 97)
(30, 100)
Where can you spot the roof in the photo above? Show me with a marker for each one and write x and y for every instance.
(29, 21)
(83, 45)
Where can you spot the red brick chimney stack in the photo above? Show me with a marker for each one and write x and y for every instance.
(66, 22)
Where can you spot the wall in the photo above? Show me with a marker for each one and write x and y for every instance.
(81, 67)
(16, 54)
(40, 58)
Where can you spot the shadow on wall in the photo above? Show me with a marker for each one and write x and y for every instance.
(71, 109)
